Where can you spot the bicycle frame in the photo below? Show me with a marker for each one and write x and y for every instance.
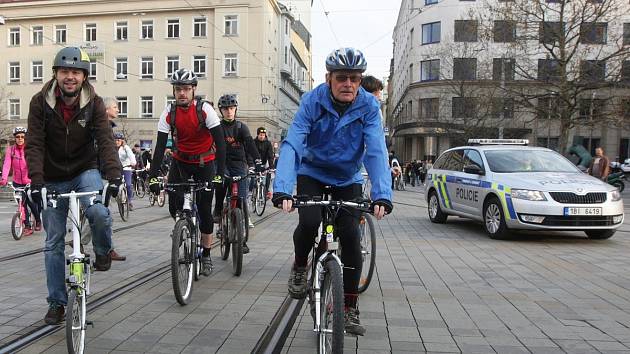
(19, 194)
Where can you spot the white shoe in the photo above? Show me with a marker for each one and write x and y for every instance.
(251, 224)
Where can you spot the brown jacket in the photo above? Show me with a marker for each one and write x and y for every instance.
(57, 151)
(604, 167)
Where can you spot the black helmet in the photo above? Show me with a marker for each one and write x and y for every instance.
(72, 57)
(119, 135)
(261, 130)
(346, 59)
(184, 77)
(228, 101)
(19, 130)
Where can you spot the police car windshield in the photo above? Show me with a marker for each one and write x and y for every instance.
(512, 161)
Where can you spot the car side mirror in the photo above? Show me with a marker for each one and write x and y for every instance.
(474, 170)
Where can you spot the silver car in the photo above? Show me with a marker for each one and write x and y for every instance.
(508, 185)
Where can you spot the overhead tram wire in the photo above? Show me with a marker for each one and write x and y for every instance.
(329, 23)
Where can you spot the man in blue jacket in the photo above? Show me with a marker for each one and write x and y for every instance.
(336, 129)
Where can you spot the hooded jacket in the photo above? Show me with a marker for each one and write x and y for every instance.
(329, 148)
(15, 160)
(57, 151)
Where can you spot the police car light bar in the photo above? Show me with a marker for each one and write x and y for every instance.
(498, 141)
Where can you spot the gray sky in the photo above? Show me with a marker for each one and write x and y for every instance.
(364, 24)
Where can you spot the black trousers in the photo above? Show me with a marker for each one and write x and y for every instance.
(180, 172)
(346, 225)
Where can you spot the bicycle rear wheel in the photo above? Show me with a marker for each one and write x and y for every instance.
(368, 251)
(140, 191)
(225, 236)
(261, 201)
(330, 336)
(161, 198)
(123, 204)
(197, 259)
(237, 234)
(84, 228)
(17, 226)
(75, 321)
(182, 259)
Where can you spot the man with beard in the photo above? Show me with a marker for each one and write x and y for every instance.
(67, 129)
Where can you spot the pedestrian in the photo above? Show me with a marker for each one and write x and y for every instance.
(265, 150)
(373, 86)
(600, 165)
(67, 129)
(128, 161)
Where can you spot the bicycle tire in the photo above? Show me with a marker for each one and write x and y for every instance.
(238, 221)
(17, 227)
(261, 201)
(152, 199)
(197, 261)
(161, 199)
(330, 337)
(75, 321)
(182, 263)
(140, 191)
(123, 204)
(225, 236)
(368, 251)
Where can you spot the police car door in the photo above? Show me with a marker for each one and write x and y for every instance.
(470, 189)
(455, 168)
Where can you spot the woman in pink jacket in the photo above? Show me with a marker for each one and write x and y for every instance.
(16, 160)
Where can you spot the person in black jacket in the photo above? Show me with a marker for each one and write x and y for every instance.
(265, 149)
(238, 141)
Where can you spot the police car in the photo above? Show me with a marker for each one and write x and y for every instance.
(508, 185)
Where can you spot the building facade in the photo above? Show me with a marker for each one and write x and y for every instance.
(234, 47)
(438, 54)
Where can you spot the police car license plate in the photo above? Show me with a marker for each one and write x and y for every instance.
(569, 211)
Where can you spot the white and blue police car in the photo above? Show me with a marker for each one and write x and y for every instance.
(508, 185)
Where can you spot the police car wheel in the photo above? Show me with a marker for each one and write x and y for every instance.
(494, 220)
(436, 214)
(599, 234)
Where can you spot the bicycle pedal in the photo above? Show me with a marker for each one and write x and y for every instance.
(89, 323)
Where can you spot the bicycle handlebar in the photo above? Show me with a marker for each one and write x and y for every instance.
(195, 185)
(364, 206)
(52, 195)
(19, 189)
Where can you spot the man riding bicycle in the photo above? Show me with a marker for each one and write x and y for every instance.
(336, 125)
(67, 130)
(198, 149)
(265, 150)
(238, 141)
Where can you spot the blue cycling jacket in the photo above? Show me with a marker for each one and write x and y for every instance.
(331, 149)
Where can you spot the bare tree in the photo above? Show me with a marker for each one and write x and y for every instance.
(568, 57)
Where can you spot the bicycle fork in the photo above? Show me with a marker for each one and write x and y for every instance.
(320, 272)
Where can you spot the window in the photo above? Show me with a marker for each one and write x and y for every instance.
(626, 33)
(504, 31)
(430, 70)
(286, 54)
(231, 25)
(122, 106)
(464, 107)
(550, 32)
(14, 108)
(430, 2)
(593, 70)
(548, 70)
(121, 68)
(122, 33)
(593, 32)
(147, 29)
(14, 72)
(548, 108)
(172, 65)
(431, 33)
(464, 68)
(472, 157)
(146, 107)
(37, 71)
(61, 34)
(172, 28)
(200, 27)
(286, 26)
(591, 108)
(503, 108)
(455, 161)
(199, 65)
(170, 100)
(503, 66)
(92, 72)
(465, 31)
(410, 72)
(38, 35)
(231, 65)
(90, 32)
(548, 142)
(429, 108)
(14, 36)
(146, 68)
(625, 71)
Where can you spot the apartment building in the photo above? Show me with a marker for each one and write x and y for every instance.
(445, 62)
(234, 47)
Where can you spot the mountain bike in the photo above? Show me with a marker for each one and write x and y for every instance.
(140, 186)
(79, 269)
(259, 192)
(325, 286)
(186, 240)
(160, 198)
(232, 226)
(21, 214)
(123, 201)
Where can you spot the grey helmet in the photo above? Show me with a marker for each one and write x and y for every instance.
(346, 59)
(228, 101)
(19, 130)
(72, 57)
(184, 77)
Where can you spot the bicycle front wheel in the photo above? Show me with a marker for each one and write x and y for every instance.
(237, 234)
(140, 191)
(123, 204)
(261, 201)
(330, 336)
(75, 321)
(17, 226)
(161, 199)
(368, 250)
(182, 258)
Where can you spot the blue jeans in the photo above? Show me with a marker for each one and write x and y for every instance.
(55, 226)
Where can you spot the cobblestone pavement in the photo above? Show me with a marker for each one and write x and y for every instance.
(436, 288)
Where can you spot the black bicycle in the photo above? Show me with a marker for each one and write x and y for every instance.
(233, 226)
